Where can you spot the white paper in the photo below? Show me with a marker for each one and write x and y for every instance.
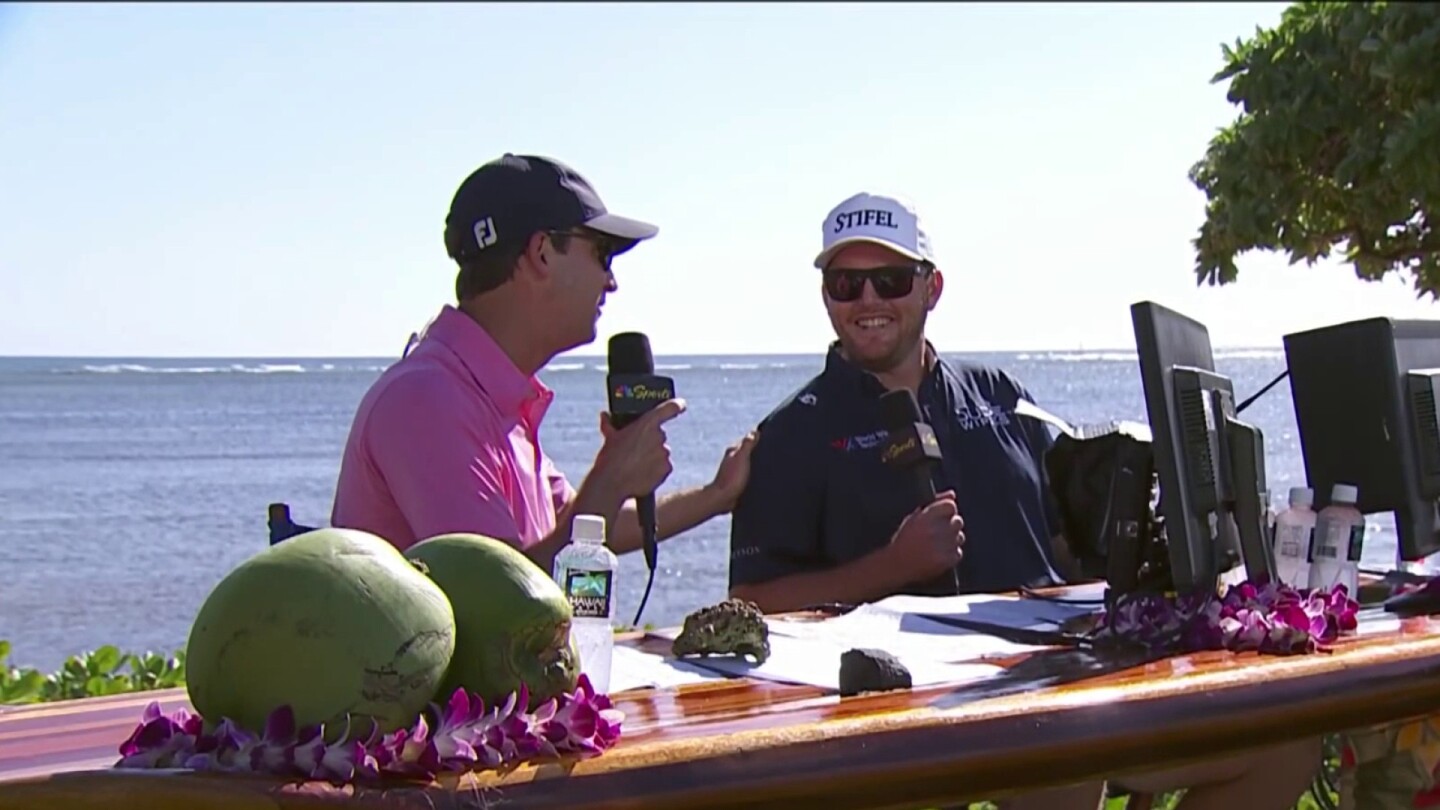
(1375, 621)
(1091, 593)
(632, 668)
(817, 663)
(905, 636)
(1005, 611)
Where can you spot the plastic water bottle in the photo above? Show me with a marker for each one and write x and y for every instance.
(585, 570)
(1294, 535)
(1339, 538)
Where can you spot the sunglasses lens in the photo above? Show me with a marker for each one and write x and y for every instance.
(842, 285)
(893, 282)
(888, 282)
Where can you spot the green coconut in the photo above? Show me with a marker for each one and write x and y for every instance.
(512, 621)
(331, 622)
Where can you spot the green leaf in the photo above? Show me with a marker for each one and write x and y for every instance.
(92, 673)
(106, 660)
(26, 688)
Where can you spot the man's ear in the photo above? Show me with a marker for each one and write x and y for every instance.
(536, 257)
(937, 286)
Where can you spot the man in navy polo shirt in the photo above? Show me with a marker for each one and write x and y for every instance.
(823, 520)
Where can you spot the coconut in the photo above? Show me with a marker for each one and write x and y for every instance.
(332, 622)
(512, 621)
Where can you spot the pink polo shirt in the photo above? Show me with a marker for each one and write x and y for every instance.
(446, 441)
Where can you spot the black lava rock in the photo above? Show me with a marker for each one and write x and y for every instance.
(871, 671)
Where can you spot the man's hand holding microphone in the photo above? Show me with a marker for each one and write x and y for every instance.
(929, 539)
(634, 459)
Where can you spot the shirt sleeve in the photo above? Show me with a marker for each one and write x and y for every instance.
(775, 526)
(561, 492)
(443, 469)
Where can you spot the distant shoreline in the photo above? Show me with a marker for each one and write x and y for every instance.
(597, 355)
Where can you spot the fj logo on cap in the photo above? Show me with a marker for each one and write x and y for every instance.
(485, 235)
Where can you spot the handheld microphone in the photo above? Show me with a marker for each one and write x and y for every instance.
(634, 389)
(911, 445)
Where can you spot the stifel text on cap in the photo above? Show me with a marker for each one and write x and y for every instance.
(863, 217)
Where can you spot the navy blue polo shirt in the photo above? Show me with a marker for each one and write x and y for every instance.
(819, 495)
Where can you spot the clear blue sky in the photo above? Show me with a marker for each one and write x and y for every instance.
(272, 180)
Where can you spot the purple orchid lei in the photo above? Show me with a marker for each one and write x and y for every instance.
(1265, 616)
(460, 736)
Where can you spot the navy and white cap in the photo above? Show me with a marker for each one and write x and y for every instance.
(876, 218)
(508, 199)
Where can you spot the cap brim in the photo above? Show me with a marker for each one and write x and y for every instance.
(622, 227)
(627, 232)
(829, 253)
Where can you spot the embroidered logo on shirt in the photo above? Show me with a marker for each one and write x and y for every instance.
(982, 414)
(864, 441)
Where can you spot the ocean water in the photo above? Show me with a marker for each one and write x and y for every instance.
(129, 487)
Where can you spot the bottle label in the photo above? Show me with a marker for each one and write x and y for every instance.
(1294, 542)
(1357, 541)
(588, 592)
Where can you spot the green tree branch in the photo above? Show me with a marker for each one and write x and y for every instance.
(1337, 147)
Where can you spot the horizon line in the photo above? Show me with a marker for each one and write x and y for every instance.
(596, 354)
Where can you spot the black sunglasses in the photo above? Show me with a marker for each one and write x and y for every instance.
(888, 282)
(604, 245)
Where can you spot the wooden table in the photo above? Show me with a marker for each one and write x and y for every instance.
(1055, 717)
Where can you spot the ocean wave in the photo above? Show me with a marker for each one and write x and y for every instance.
(232, 368)
(1131, 356)
(1079, 357)
(604, 368)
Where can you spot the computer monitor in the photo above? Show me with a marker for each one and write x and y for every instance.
(1210, 465)
(1365, 404)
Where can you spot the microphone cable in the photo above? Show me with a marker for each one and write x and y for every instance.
(647, 538)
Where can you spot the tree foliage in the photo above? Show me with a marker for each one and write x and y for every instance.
(1337, 147)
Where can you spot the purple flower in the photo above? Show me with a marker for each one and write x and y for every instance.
(228, 748)
(161, 741)
(1260, 615)
(461, 735)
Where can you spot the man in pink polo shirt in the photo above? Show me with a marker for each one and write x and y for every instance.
(447, 439)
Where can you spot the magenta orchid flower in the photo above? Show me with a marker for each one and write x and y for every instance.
(462, 735)
(1264, 616)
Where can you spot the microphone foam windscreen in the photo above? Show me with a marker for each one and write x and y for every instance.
(899, 407)
(630, 354)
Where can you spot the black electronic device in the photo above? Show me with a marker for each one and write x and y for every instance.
(1210, 464)
(1103, 481)
(1365, 395)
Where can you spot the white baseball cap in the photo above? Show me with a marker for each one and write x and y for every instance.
(878, 219)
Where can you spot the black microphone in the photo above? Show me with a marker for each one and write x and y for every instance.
(635, 389)
(910, 445)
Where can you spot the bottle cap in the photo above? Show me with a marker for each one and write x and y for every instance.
(588, 529)
(1344, 493)
(1302, 496)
